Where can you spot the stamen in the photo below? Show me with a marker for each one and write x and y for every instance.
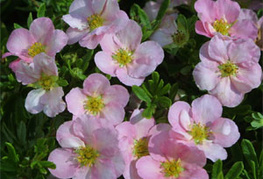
(228, 69)
(123, 57)
(86, 156)
(172, 168)
(141, 147)
(35, 49)
(95, 21)
(94, 105)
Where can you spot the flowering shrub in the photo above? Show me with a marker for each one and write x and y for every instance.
(111, 89)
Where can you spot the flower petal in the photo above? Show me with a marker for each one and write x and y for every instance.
(217, 49)
(206, 109)
(105, 63)
(64, 161)
(33, 98)
(227, 9)
(148, 168)
(75, 101)
(126, 79)
(238, 30)
(52, 101)
(225, 132)
(95, 84)
(116, 93)
(213, 151)
(114, 113)
(75, 35)
(206, 10)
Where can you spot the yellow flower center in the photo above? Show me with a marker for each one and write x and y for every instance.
(141, 147)
(45, 82)
(86, 156)
(222, 26)
(123, 57)
(228, 69)
(35, 49)
(172, 168)
(94, 105)
(95, 21)
(199, 132)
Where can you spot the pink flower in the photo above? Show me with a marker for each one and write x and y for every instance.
(133, 140)
(170, 159)
(89, 150)
(90, 20)
(123, 55)
(98, 98)
(259, 40)
(228, 69)
(222, 16)
(42, 74)
(41, 37)
(203, 126)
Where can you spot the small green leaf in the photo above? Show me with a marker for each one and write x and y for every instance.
(217, 168)
(12, 155)
(29, 19)
(220, 175)
(7, 165)
(162, 10)
(17, 26)
(149, 111)
(249, 153)
(62, 82)
(47, 164)
(21, 132)
(141, 94)
(41, 10)
(164, 101)
(165, 89)
(235, 170)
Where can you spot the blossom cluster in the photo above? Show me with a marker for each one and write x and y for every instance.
(97, 143)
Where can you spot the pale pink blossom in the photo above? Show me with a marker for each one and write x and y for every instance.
(133, 137)
(222, 16)
(203, 126)
(42, 74)
(171, 159)
(89, 150)
(41, 37)
(90, 20)
(98, 98)
(126, 57)
(259, 40)
(228, 69)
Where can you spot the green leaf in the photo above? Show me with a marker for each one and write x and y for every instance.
(217, 168)
(12, 152)
(165, 89)
(47, 164)
(41, 10)
(249, 153)
(141, 94)
(17, 26)
(220, 175)
(62, 82)
(137, 12)
(164, 101)
(162, 10)
(29, 19)
(148, 112)
(21, 132)
(235, 170)
(7, 165)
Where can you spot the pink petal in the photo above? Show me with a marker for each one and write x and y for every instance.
(110, 44)
(114, 113)
(42, 29)
(142, 125)
(227, 9)
(64, 161)
(99, 5)
(161, 38)
(14, 65)
(66, 137)
(116, 93)
(247, 14)
(75, 35)
(130, 38)
(175, 111)
(213, 151)
(105, 63)
(126, 130)
(75, 101)
(91, 40)
(238, 31)
(45, 64)
(185, 120)
(19, 41)
(126, 79)
(82, 7)
(225, 132)
(58, 42)
(95, 84)
(32, 103)
(193, 171)
(75, 20)
(217, 49)
(146, 58)
(53, 103)
(226, 93)
(25, 73)
(110, 9)
(148, 168)
(206, 109)
(200, 29)
(247, 78)
(205, 75)
(161, 127)
(206, 10)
